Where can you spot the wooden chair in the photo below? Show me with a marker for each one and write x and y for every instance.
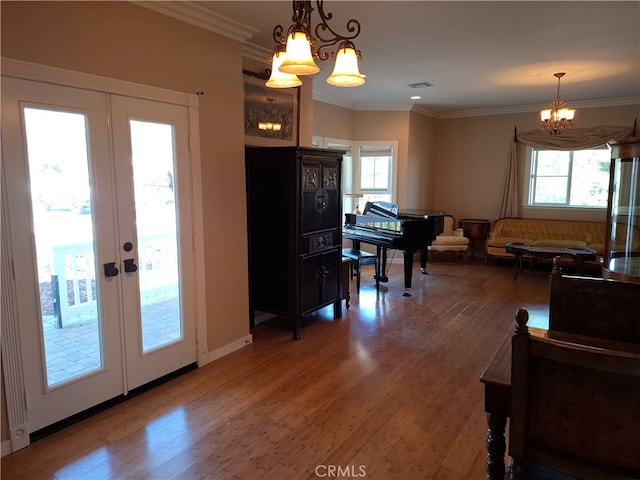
(575, 406)
(595, 307)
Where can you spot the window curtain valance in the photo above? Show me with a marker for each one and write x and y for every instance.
(574, 138)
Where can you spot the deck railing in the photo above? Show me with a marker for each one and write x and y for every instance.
(73, 279)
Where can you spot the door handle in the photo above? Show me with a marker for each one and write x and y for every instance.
(110, 269)
(130, 266)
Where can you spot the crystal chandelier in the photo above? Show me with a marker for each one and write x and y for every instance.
(557, 118)
(297, 49)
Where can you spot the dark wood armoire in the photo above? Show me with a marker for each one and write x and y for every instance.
(294, 204)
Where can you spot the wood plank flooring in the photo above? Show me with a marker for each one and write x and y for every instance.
(390, 391)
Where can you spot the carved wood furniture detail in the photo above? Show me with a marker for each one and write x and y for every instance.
(575, 405)
(294, 219)
(583, 306)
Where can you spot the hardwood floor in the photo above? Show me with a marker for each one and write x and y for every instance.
(390, 391)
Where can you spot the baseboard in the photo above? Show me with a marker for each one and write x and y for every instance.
(6, 448)
(229, 348)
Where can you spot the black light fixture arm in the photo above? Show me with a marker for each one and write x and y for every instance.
(301, 18)
(325, 37)
(330, 37)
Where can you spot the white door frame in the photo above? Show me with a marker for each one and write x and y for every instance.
(11, 350)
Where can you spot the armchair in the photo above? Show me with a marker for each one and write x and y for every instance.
(450, 241)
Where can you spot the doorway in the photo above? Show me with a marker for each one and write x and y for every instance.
(100, 219)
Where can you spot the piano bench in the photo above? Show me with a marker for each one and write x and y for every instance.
(359, 258)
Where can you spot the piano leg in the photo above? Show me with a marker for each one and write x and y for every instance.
(408, 272)
(382, 255)
(423, 261)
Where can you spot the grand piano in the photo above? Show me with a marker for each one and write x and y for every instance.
(382, 224)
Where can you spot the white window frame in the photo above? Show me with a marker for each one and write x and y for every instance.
(372, 147)
(351, 165)
(531, 178)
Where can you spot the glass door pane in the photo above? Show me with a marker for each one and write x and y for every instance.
(153, 154)
(63, 230)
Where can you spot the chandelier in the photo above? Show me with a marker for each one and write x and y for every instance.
(297, 49)
(557, 118)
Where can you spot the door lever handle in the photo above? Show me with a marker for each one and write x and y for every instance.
(130, 266)
(110, 269)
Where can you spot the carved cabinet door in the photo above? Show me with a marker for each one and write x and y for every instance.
(320, 279)
(321, 202)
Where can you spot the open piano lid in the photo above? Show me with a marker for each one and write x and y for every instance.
(377, 215)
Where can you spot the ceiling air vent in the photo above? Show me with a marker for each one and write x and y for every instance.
(420, 85)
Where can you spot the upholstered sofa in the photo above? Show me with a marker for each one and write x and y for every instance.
(545, 233)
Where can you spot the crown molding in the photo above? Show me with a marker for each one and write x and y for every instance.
(462, 113)
(429, 112)
(341, 102)
(385, 107)
(190, 12)
(255, 52)
(481, 112)
(330, 99)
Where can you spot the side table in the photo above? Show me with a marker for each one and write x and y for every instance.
(477, 231)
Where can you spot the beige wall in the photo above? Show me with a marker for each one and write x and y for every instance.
(472, 158)
(421, 163)
(332, 121)
(459, 165)
(338, 122)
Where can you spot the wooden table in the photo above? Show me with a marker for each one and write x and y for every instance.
(520, 251)
(477, 231)
(497, 403)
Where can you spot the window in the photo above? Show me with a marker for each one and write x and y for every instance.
(376, 172)
(578, 179)
(368, 168)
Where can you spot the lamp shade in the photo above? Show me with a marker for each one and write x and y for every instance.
(545, 114)
(346, 72)
(280, 79)
(298, 59)
(566, 113)
(559, 114)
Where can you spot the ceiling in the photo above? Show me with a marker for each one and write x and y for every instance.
(479, 56)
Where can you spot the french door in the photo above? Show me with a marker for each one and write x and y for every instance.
(100, 221)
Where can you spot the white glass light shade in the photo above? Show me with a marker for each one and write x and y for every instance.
(346, 72)
(298, 59)
(280, 79)
(566, 113)
(557, 115)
